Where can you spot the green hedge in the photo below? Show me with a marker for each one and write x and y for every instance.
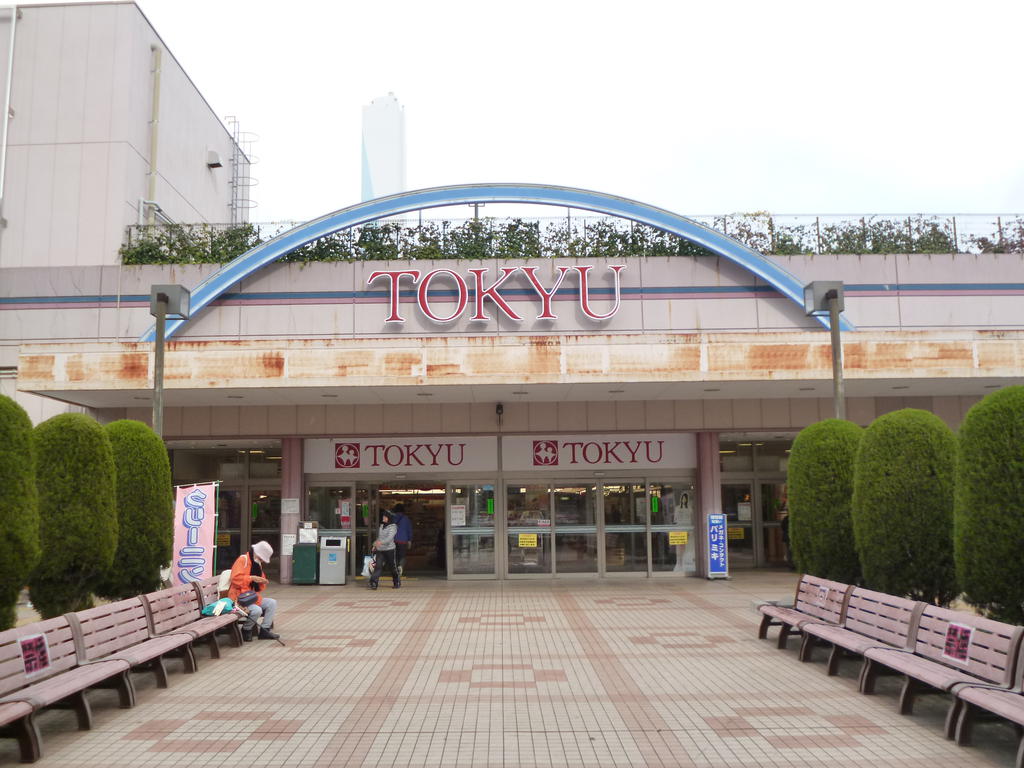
(75, 476)
(19, 507)
(820, 486)
(145, 509)
(989, 511)
(903, 506)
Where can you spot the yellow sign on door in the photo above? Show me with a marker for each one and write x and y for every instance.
(223, 539)
(528, 540)
(678, 538)
(736, 533)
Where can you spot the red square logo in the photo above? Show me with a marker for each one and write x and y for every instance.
(346, 456)
(545, 453)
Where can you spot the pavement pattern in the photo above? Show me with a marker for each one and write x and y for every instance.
(609, 672)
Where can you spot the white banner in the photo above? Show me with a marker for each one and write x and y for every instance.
(563, 453)
(360, 455)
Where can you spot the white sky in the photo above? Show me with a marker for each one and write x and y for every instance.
(699, 107)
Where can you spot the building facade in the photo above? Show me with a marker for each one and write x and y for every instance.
(563, 417)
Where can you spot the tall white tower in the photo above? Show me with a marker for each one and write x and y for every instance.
(383, 147)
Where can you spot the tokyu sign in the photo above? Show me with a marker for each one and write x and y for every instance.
(457, 300)
(604, 452)
(405, 454)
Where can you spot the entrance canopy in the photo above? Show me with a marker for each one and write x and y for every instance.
(468, 194)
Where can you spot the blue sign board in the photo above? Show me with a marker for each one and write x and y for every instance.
(718, 548)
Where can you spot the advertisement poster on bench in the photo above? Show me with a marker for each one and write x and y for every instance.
(195, 523)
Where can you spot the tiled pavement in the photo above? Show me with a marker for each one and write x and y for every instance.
(486, 674)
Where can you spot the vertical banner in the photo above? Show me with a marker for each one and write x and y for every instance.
(195, 522)
(718, 548)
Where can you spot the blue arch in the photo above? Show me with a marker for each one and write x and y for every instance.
(540, 194)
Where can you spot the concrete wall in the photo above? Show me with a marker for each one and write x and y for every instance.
(79, 145)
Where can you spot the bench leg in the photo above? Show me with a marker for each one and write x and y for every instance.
(125, 690)
(236, 634)
(80, 704)
(188, 656)
(762, 630)
(964, 725)
(952, 715)
(868, 675)
(211, 640)
(26, 732)
(833, 660)
(907, 694)
(807, 647)
(160, 670)
(784, 631)
(1020, 753)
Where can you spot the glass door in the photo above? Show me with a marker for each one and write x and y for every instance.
(471, 522)
(625, 528)
(333, 507)
(575, 508)
(528, 515)
(774, 511)
(738, 504)
(265, 524)
(229, 526)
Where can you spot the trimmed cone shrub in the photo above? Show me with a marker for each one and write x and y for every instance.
(820, 487)
(78, 519)
(989, 510)
(903, 506)
(145, 510)
(19, 507)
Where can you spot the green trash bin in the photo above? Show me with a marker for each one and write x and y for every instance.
(304, 564)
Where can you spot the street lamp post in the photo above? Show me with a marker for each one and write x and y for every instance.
(826, 297)
(165, 301)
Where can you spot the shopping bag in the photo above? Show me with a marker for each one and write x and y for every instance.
(368, 564)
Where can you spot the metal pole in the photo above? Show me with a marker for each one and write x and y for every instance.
(837, 356)
(158, 366)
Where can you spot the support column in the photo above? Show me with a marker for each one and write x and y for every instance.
(291, 489)
(709, 492)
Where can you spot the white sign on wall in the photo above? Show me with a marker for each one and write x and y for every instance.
(361, 455)
(599, 452)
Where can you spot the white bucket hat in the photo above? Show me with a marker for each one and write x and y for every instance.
(263, 551)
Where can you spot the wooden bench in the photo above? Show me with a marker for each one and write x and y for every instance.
(121, 631)
(951, 648)
(39, 667)
(872, 620)
(176, 610)
(1007, 704)
(817, 600)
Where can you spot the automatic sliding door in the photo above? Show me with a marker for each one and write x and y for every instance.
(625, 528)
(471, 522)
(575, 528)
(528, 509)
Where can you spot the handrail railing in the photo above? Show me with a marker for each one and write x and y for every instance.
(586, 236)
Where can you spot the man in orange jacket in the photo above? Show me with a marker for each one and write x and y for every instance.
(247, 573)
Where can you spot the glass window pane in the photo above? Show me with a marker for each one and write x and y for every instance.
(528, 505)
(574, 505)
(625, 504)
(529, 559)
(330, 507)
(673, 504)
(625, 552)
(576, 553)
(472, 506)
(473, 553)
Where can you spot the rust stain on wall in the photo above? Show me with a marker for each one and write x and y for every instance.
(74, 369)
(36, 368)
(399, 363)
(132, 367)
